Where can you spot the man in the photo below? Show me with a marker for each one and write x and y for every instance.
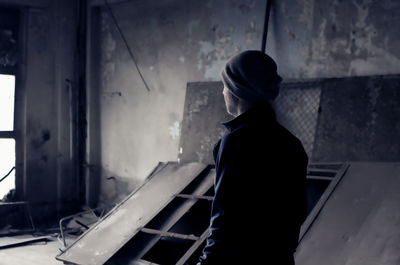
(260, 188)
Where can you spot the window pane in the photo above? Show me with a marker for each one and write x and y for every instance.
(7, 161)
(7, 91)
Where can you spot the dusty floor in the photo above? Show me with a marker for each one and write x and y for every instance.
(36, 253)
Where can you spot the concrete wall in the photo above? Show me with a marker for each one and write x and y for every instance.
(176, 41)
(45, 80)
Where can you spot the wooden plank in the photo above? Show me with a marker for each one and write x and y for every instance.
(115, 229)
(359, 224)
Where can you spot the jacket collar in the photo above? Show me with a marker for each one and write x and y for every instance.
(257, 113)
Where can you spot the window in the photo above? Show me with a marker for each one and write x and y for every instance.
(7, 141)
(9, 23)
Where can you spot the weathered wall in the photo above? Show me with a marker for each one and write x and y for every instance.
(178, 41)
(325, 38)
(174, 42)
(45, 174)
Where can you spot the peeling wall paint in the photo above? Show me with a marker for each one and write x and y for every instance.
(174, 42)
(178, 41)
(352, 38)
(174, 130)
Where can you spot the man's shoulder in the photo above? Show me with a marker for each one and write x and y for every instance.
(234, 137)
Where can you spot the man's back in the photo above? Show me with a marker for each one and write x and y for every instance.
(260, 192)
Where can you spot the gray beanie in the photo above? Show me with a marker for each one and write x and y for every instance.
(252, 76)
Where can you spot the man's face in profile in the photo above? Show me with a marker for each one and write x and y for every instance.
(229, 102)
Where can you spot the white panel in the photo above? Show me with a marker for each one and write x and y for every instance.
(7, 92)
(7, 161)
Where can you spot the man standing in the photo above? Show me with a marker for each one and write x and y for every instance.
(260, 182)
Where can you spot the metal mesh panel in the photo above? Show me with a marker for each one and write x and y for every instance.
(297, 109)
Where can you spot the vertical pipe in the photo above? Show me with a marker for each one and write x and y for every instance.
(266, 19)
(80, 108)
(92, 155)
(21, 110)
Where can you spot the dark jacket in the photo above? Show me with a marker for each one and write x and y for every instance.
(260, 192)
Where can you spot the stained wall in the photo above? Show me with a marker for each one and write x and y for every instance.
(176, 41)
(45, 83)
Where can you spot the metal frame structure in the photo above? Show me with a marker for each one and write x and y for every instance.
(114, 230)
(171, 236)
(322, 172)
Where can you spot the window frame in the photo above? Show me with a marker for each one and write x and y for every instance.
(16, 25)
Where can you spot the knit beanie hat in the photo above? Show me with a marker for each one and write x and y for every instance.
(252, 76)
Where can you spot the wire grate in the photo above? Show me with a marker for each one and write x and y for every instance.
(297, 109)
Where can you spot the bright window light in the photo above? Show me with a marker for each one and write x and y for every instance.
(7, 145)
(7, 162)
(7, 93)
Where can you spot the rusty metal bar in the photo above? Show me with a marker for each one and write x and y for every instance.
(169, 234)
(201, 189)
(193, 248)
(195, 197)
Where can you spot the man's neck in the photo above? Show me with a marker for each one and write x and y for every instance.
(242, 108)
